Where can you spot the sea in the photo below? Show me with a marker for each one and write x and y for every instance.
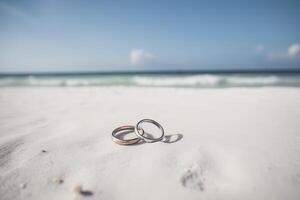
(183, 79)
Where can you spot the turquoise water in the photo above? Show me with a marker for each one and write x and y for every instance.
(157, 80)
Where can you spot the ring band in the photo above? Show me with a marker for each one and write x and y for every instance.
(147, 139)
(124, 141)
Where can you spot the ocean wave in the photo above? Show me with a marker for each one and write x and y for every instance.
(31, 81)
(63, 81)
(201, 80)
(253, 80)
(196, 81)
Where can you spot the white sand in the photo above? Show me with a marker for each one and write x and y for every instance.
(236, 144)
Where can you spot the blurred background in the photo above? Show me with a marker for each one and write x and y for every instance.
(149, 43)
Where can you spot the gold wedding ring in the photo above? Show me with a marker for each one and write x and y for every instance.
(125, 130)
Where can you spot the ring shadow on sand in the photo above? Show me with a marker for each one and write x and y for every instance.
(172, 138)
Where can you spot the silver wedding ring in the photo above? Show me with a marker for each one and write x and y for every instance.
(139, 131)
(141, 134)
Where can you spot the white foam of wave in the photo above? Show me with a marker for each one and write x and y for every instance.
(270, 80)
(74, 82)
(44, 82)
(202, 80)
(79, 82)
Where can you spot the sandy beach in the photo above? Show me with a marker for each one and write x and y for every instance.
(234, 143)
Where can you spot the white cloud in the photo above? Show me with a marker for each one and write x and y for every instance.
(292, 53)
(294, 50)
(140, 57)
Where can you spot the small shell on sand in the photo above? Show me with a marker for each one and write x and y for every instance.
(23, 185)
(58, 180)
(78, 190)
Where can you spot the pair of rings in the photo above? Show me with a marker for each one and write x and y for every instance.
(139, 131)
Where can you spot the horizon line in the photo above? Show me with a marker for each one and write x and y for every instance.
(151, 72)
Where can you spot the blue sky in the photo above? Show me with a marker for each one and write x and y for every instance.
(38, 35)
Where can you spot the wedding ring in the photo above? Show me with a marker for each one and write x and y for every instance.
(141, 134)
(126, 129)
